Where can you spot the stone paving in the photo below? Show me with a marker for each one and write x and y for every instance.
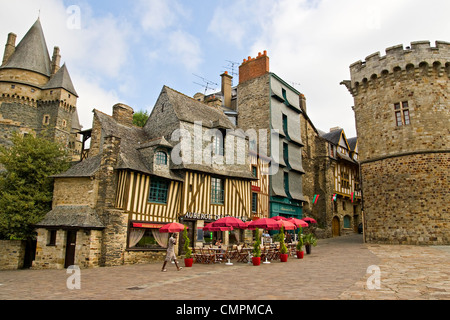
(336, 269)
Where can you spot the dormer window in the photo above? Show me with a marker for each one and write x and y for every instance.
(161, 158)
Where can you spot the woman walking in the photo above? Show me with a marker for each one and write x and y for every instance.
(170, 256)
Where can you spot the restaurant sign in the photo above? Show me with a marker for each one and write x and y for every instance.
(210, 217)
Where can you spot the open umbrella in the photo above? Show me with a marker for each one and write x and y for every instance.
(265, 223)
(173, 227)
(229, 222)
(278, 218)
(287, 225)
(247, 225)
(299, 223)
(211, 227)
(309, 220)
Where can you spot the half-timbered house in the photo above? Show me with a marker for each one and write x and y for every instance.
(188, 164)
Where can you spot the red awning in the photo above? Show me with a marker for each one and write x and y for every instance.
(147, 225)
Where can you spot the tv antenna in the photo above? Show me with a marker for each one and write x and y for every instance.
(232, 67)
(294, 84)
(207, 84)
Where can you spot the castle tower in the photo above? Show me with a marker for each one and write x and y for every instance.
(402, 119)
(37, 96)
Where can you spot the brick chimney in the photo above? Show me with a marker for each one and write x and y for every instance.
(226, 89)
(10, 47)
(254, 67)
(123, 114)
(56, 60)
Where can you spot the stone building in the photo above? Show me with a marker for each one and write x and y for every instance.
(37, 95)
(331, 177)
(183, 166)
(402, 118)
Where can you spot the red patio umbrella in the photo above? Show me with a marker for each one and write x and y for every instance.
(247, 225)
(287, 225)
(173, 227)
(309, 220)
(278, 218)
(211, 227)
(299, 223)
(229, 222)
(265, 223)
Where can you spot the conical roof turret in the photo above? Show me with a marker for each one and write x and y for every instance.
(31, 53)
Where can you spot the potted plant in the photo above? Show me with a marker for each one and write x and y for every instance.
(310, 241)
(188, 260)
(300, 242)
(256, 259)
(283, 249)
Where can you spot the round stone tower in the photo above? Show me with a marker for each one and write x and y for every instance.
(402, 119)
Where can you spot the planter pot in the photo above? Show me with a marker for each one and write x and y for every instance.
(308, 248)
(300, 254)
(188, 262)
(284, 257)
(256, 261)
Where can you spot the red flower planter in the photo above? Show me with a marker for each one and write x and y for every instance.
(256, 261)
(300, 254)
(188, 262)
(284, 257)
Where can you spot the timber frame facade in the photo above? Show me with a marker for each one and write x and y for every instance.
(108, 209)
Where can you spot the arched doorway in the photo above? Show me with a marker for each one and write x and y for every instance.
(336, 227)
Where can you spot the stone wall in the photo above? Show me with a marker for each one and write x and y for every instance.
(12, 254)
(404, 167)
(87, 250)
(410, 206)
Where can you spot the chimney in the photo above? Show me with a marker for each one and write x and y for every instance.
(56, 60)
(226, 89)
(123, 114)
(303, 103)
(254, 67)
(10, 47)
(335, 129)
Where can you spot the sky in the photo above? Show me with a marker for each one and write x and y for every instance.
(121, 51)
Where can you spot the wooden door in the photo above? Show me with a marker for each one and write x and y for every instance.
(336, 227)
(70, 248)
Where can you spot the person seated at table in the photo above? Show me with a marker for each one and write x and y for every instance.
(219, 243)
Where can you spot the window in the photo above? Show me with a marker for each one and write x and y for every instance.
(255, 171)
(51, 238)
(217, 191)
(254, 202)
(64, 123)
(285, 124)
(286, 183)
(402, 117)
(146, 239)
(286, 153)
(46, 120)
(158, 191)
(161, 158)
(347, 222)
(218, 144)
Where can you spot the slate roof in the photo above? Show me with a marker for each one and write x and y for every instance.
(190, 110)
(61, 79)
(72, 217)
(31, 53)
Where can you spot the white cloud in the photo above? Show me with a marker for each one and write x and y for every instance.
(184, 49)
(95, 54)
(314, 43)
(157, 15)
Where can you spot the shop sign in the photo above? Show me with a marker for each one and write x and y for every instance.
(147, 225)
(208, 217)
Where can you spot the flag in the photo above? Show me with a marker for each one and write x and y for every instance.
(353, 197)
(316, 198)
(335, 197)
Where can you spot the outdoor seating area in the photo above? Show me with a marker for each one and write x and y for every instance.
(244, 252)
